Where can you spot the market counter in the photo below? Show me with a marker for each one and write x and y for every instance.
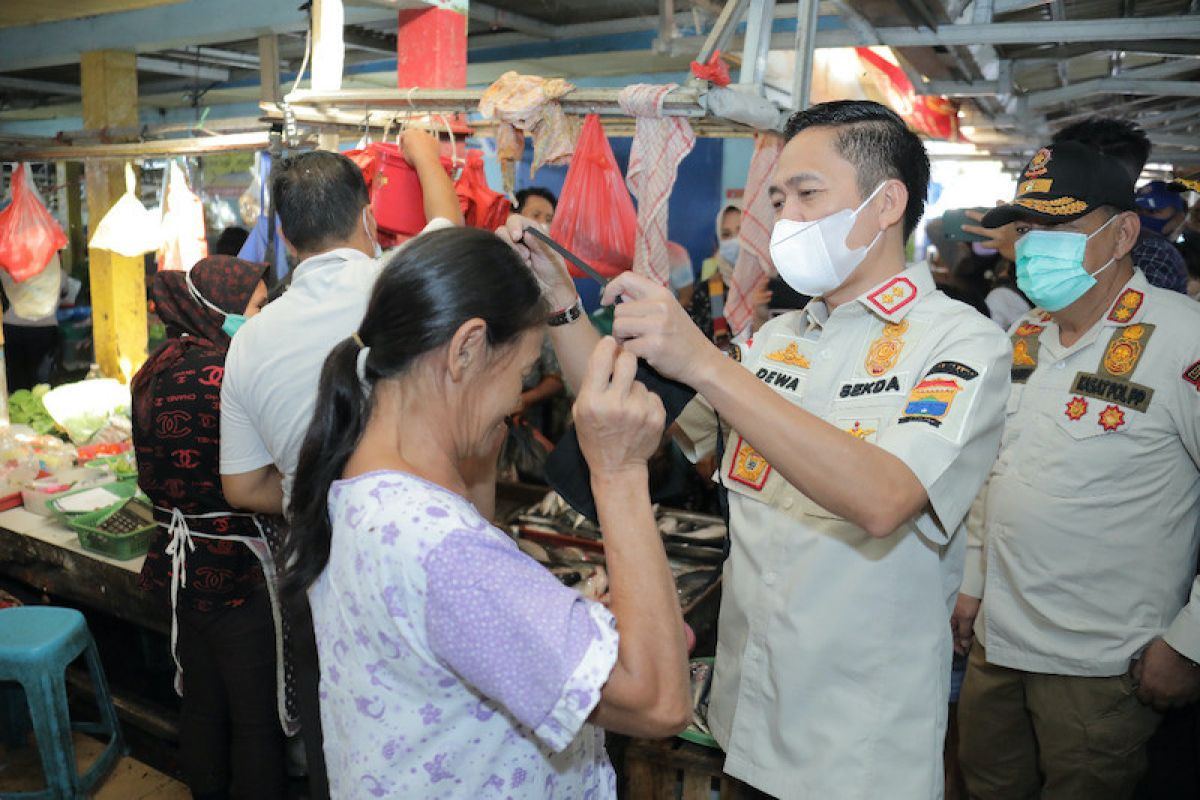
(43, 554)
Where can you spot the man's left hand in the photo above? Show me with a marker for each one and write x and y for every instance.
(1164, 678)
(652, 325)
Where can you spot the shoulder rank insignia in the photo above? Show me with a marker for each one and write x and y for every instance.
(1192, 375)
(930, 401)
(791, 356)
(748, 467)
(885, 350)
(1111, 418)
(1126, 305)
(1029, 329)
(893, 295)
(1021, 357)
(1076, 408)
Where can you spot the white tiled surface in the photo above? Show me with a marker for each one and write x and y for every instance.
(46, 529)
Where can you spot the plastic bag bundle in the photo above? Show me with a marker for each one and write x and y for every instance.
(29, 236)
(37, 297)
(595, 218)
(128, 228)
(184, 242)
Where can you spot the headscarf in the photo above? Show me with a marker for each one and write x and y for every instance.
(728, 205)
(225, 281)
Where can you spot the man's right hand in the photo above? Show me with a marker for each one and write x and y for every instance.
(618, 421)
(547, 266)
(1003, 239)
(420, 147)
(962, 622)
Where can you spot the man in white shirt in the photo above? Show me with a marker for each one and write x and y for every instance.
(856, 433)
(274, 362)
(1083, 543)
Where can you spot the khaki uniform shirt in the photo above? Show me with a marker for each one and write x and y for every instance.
(833, 650)
(1084, 542)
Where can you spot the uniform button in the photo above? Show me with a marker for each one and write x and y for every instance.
(788, 503)
(769, 578)
(826, 354)
(1060, 365)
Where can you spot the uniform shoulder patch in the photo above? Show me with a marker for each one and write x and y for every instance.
(1028, 329)
(748, 467)
(1126, 305)
(930, 401)
(893, 295)
(955, 368)
(1192, 375)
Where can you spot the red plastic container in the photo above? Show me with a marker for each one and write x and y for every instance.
(396, 191)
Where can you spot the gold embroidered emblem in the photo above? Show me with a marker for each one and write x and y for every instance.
(1126, 306)
(791, 356)
(1059, 207)
(1076, 408)
(1112, 418)
(1123, 352)
(1021, 357)
(749, 467)
(885, 350)
(859, 432)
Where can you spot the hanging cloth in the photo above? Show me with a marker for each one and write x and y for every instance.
(659, 144)
(184, 242)
(758, 218)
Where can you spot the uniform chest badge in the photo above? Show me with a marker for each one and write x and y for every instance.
(1076, 408)
(930, 401)
(1192, 375)
(1124, 351)
(1021, 357)
(1111, 418)
(885, 351)
(791, 356)
(749, 467)
(1126, 306)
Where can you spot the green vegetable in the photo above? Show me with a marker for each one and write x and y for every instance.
(25, 408)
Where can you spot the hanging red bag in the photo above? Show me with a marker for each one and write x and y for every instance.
(481, 207)
(595, 218)
(29, 236)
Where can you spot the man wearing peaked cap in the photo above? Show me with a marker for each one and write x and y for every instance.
(1082, 545)
(1161, 208)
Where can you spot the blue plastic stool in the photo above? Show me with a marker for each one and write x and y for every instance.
(36, 645)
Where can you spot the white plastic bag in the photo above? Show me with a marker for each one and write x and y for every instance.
(184, 242)
(37, 297)
(128, 228)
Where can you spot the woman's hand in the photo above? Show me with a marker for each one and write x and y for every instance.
(618, 421)
(547, 266)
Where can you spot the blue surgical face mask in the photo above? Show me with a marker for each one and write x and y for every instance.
(729, 249)
(1050, 267)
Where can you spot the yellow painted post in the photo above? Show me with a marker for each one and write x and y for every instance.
(118, 282)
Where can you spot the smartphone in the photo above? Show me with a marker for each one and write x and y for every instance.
(952, 225)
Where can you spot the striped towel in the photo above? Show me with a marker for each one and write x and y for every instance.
(659, 144)
(758, 218)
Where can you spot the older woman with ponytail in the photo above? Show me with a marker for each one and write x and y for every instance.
(452, 665)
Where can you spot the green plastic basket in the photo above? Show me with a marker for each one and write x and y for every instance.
(122, 489)
(121, 546)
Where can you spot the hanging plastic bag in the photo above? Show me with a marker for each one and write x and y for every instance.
(184, 241)
(481, 206)
(128, 228)
(37, 297)
(29, 236)
(595, 218)
(250, 203)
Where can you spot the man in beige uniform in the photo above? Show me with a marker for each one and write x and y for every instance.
(1083, 544)
(858, 437)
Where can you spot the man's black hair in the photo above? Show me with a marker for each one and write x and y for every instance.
(878, 143)
(535, 191)
(1119, 139)
(320, 197)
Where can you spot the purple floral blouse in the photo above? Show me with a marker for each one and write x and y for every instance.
(452, 664)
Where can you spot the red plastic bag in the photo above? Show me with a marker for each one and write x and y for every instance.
(481, 207)
(29, 236)
(595, 218)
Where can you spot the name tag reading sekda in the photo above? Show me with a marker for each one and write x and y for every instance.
(1124, 393)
